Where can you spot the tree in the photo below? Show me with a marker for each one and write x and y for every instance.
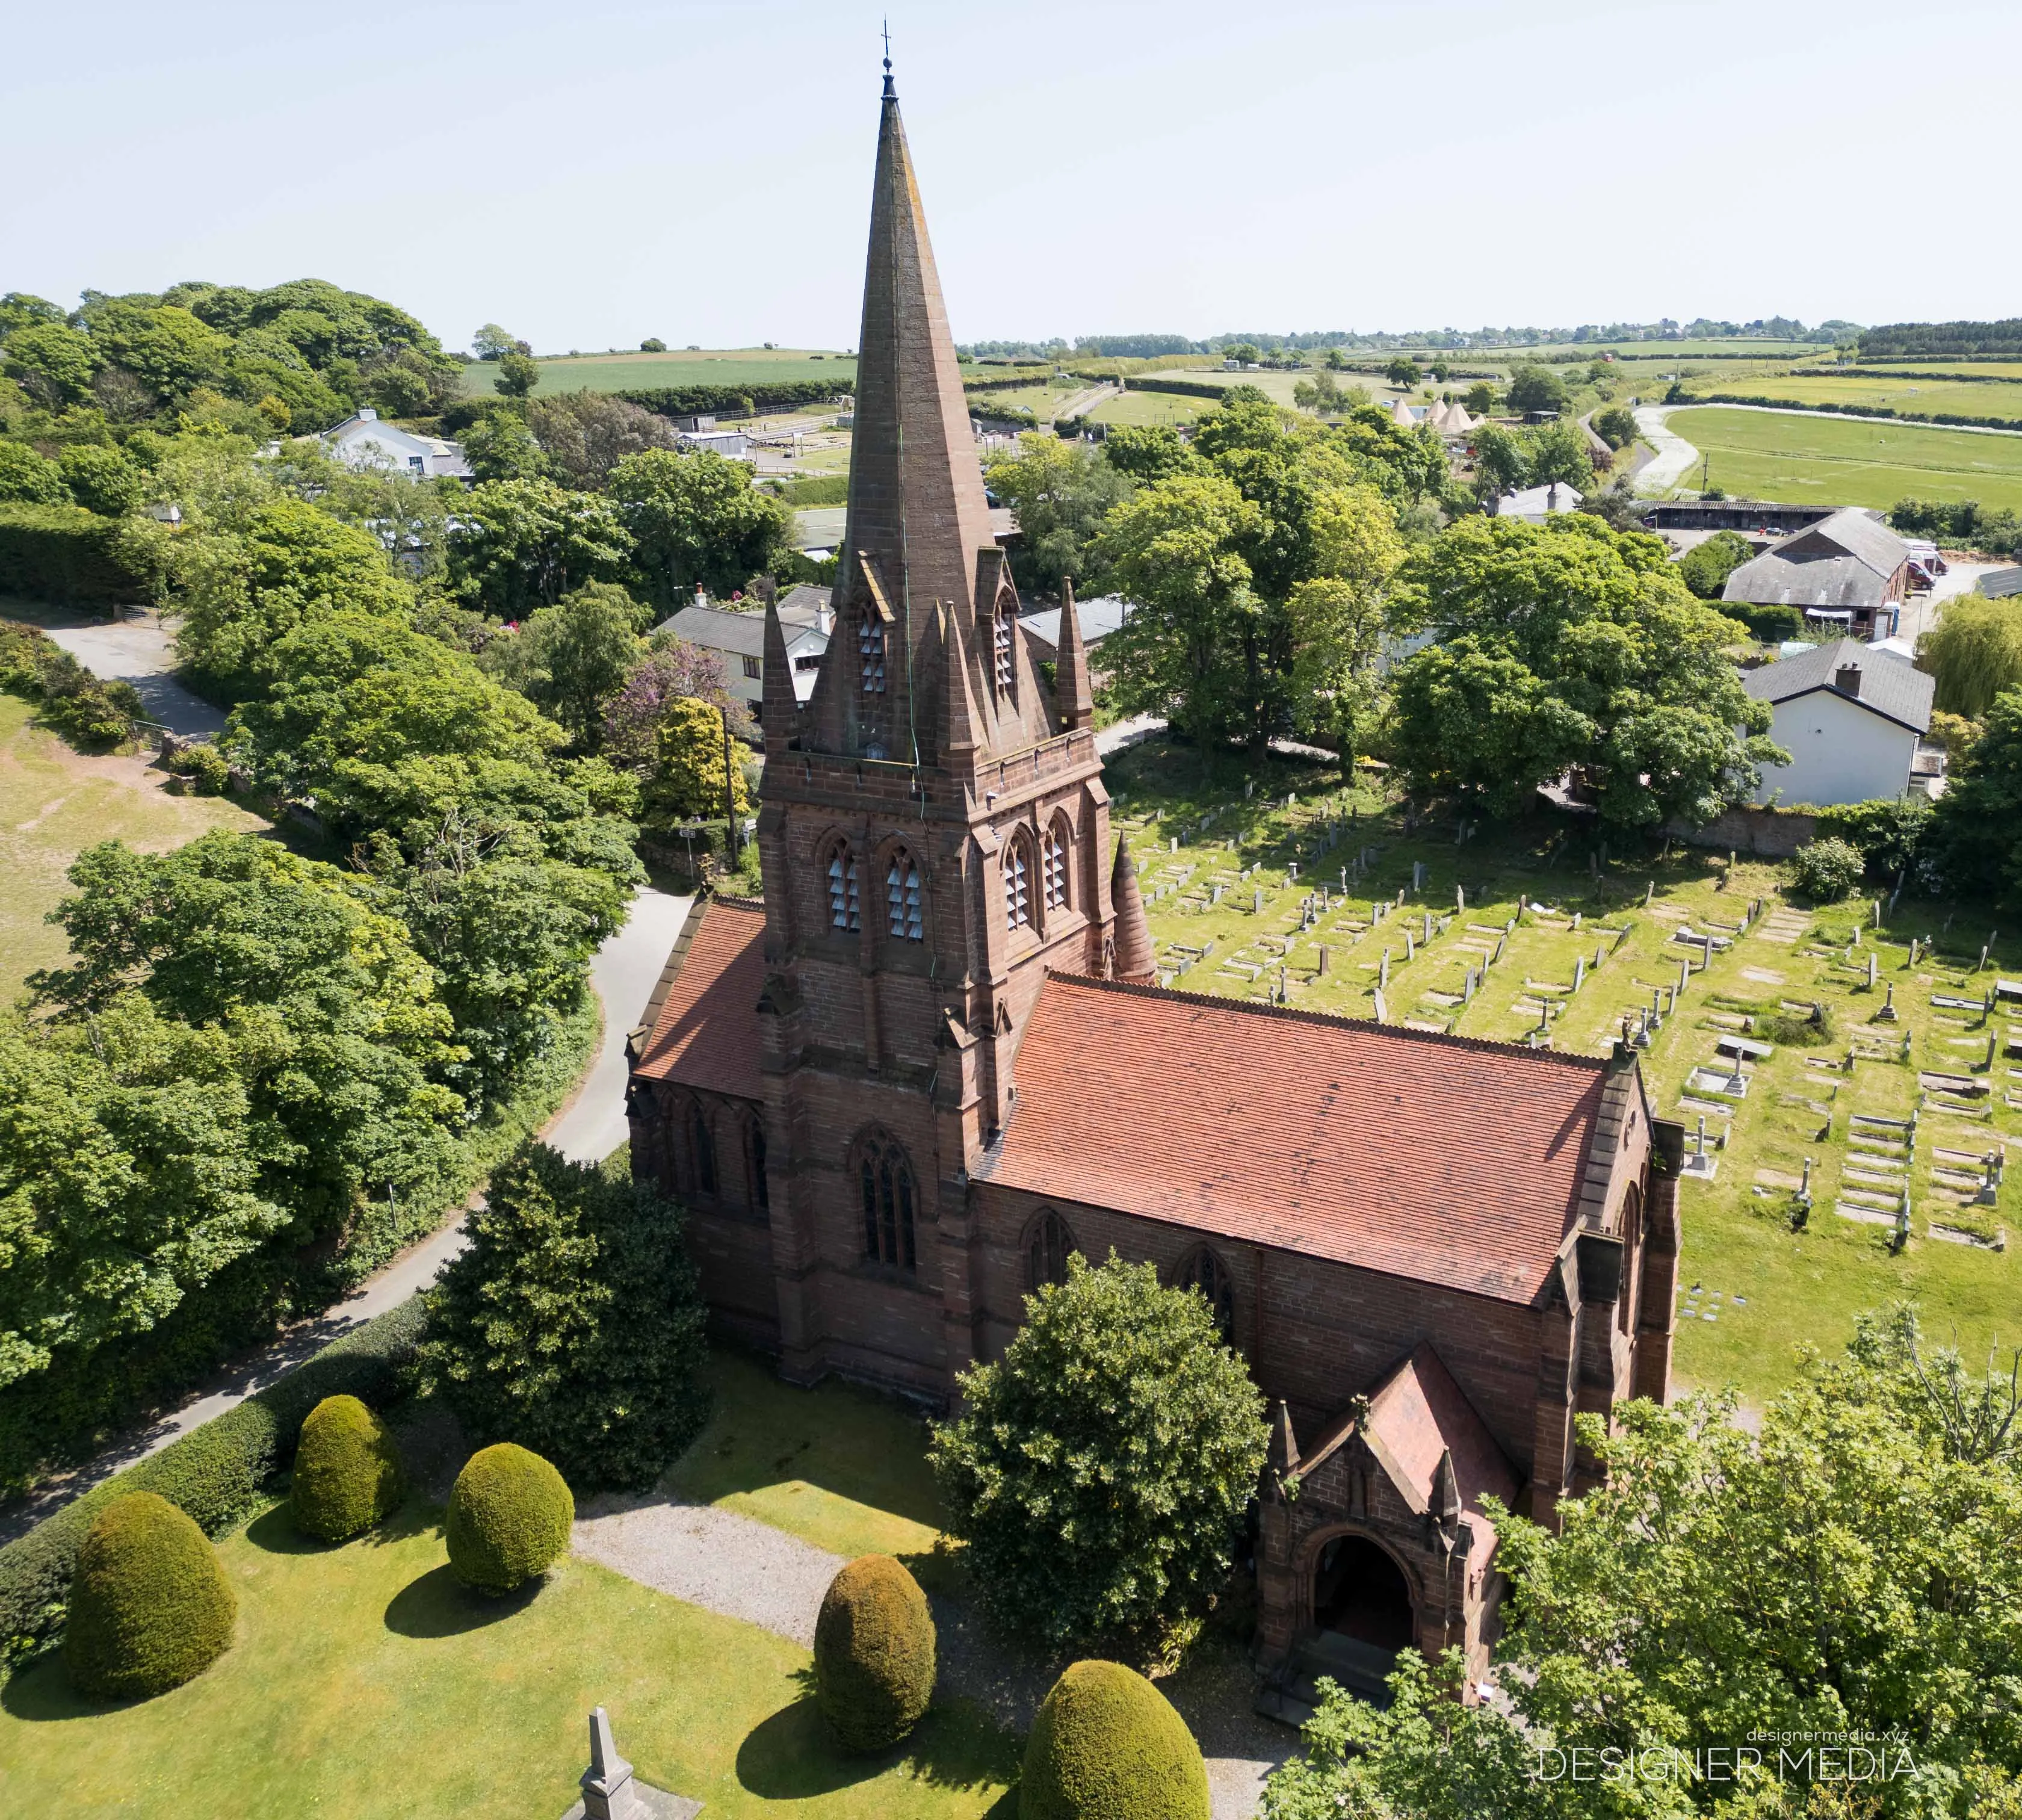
(694, 518)
(500, 446)
(584, 435)
(671, 669)
(652, 344)
(1974, 653)
(573, 1324)
(1098, 1470)
(1061, 492)
(53, 362)
(570, 658)
(491, 341)
(688, 780)
(1536, 387)
(1502, 460)
(1568, 644)
(1403, 371)
(1325, 395)
(102, 478)
(27, 477)
(242, 592)
(1153, 452)
(519, 545)
(1337, 617)
(1559, 453)
(1704, 568)
(518, 375)
(169, 350)
(1977, 827)
(1172, 547)
(1615, 426)
(21, 309)
(1480, 398)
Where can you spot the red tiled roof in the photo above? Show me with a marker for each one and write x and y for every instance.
(1439, 1158)
(706, 1032)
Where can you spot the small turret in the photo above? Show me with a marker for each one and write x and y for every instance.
(1133, 956)
(1072, 695)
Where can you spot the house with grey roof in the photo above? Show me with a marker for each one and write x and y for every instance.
(1850, 715)
(367, 441)
(739, 638)
(1098, 619)
(1849, 569)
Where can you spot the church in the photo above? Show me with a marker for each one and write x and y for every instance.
(935, 1060)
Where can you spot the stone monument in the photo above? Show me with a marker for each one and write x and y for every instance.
(611, 1791)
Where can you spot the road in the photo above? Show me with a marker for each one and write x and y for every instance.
(1674, 458)
(141, 652)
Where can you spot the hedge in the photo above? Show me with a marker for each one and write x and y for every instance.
(347, 1471)
(150, 1607)
(725, 400)
(874, 1654)
(214, 1473)
(66, 554)
(1184, 388)
(1106, 1745)
(1951, 418)
(509, 1516)
(80, 706)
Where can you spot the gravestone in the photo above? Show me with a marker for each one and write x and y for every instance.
(1382, 1007)
(611, 1791)
(1383, 969)
(1327, 960)
(1460, 899)
(1579, 973)
(1411, 947)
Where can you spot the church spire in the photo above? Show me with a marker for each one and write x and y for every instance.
(1074, 698)
(1132, 959)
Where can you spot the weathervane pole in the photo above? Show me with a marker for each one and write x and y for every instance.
(890, 93)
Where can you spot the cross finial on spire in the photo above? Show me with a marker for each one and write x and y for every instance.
(891, 93)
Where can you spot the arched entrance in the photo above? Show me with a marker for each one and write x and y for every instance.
(1359, 1592)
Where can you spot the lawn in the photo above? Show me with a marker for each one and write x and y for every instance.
(1139, 409)
(699, 367)
(365, 1682)
(54, 803)
(1797, 1286)
(1933, 396)
(1769, 456)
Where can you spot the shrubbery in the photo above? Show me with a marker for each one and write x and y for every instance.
(1106, 1745)
(150, 1607)
(509, 1513)
(67, 554)
(77, 704)
(1826, 871)
(347, 1470)
(874, 1654)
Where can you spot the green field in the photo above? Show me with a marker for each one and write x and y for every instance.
(705, 367)
(1797, 1286)
(1911, 392)
(54, 803)
(1765, 455)
(1139, 409)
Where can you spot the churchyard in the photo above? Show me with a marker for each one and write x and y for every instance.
(1278, 883)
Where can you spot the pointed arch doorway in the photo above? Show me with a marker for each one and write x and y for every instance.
(1360, 1593)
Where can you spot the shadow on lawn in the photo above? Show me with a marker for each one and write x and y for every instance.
(42, 1691)
(439, 1604)
(790, 1755)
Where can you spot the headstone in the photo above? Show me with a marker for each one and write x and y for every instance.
(1579, 973)
(1215, 895)
(1383, 969)
(1257, 902)
(1576, 922)
(1410, 946)
(1684, 976)
(608, 1792)
(1175, 846)
(1343, 881)
(1382, 1007)
(1982, 967)
(1427, 937)
(1467, 985)
(1649, 893)
(1417, 875)
(1327, 960)
(1878, 912)
(1873, 967)
(1292, 871)
(1708, 961)
(1460, 899)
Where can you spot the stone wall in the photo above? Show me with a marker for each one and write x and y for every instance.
(1769, 834)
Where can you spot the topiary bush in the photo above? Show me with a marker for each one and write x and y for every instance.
(149, 1605)
(509, 1513)
(1825, 871)
(874, 1654)
(347, 1470)
(1107, 1745)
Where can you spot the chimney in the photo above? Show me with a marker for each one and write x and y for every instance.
(1846, 679)
(367, 415)
(701, 598)
(824, 619)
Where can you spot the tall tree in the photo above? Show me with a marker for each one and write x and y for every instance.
(1061, 492)
(584, 435)
(695, 518)
(519, 545)
(570, 659)
(1974, 653)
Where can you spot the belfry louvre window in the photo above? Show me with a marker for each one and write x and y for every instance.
(1018, 886)
(870, 653)
(902, 895)
(1055, 869)
(1002, 644)
(844, 912)
(886, 1182)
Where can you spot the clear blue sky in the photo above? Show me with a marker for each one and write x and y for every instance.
(593, 174)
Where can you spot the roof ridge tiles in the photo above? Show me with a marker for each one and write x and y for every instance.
(1298, 1013)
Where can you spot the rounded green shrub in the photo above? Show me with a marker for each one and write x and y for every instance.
(150, 1606)
(1107, 1745)
(1827, 870)
(509, 1513)
(874, 1654)
(347, 1470)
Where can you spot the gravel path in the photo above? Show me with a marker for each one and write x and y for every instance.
(747, 1570)
(1674, 457)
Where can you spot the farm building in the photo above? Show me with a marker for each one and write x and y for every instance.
(368, 441)
(1850, 715)
(1850, 568)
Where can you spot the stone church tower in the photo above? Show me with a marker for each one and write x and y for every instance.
(933, 835)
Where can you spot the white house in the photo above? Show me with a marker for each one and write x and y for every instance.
(364, 441)
(739, 638)
(1850, 716)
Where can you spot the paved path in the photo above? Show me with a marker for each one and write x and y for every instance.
(142, 652)
(587, 1129)
(1675, 456)
(747, 1570)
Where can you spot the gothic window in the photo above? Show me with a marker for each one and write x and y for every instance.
(886, 1181)
(1018, 885)
(1204, 1271)
(1046, 1252)
(754, 1147)
(871, 651)
(1001, 638)
(844, 913)
(1056, 866)
(702, 1150)
(901, 896)
(1631, 1239)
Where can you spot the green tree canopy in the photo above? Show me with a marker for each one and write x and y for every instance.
(518, 375)
(688, 781)
(1536, 388)
(1977, 826)
(1973, 653)
(1097, 1470)
(1502, 460)
(584, 435)
(1061, 492)
(1565, 644)
(1153, 452)
(694, 518)
(519, 545)
(570, 659)
(1704, 568)
(54, 362)
(1559, 452)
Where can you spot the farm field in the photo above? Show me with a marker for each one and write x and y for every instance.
(1911, 392)
(707, 367)
(1139, 409)
(1762, 454)
(54, 803)
(1538, 917)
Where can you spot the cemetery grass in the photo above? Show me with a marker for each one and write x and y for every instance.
(364, 1681)
(55, 802)
(1779, 1288)
(630, 372)
(1835, 461)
